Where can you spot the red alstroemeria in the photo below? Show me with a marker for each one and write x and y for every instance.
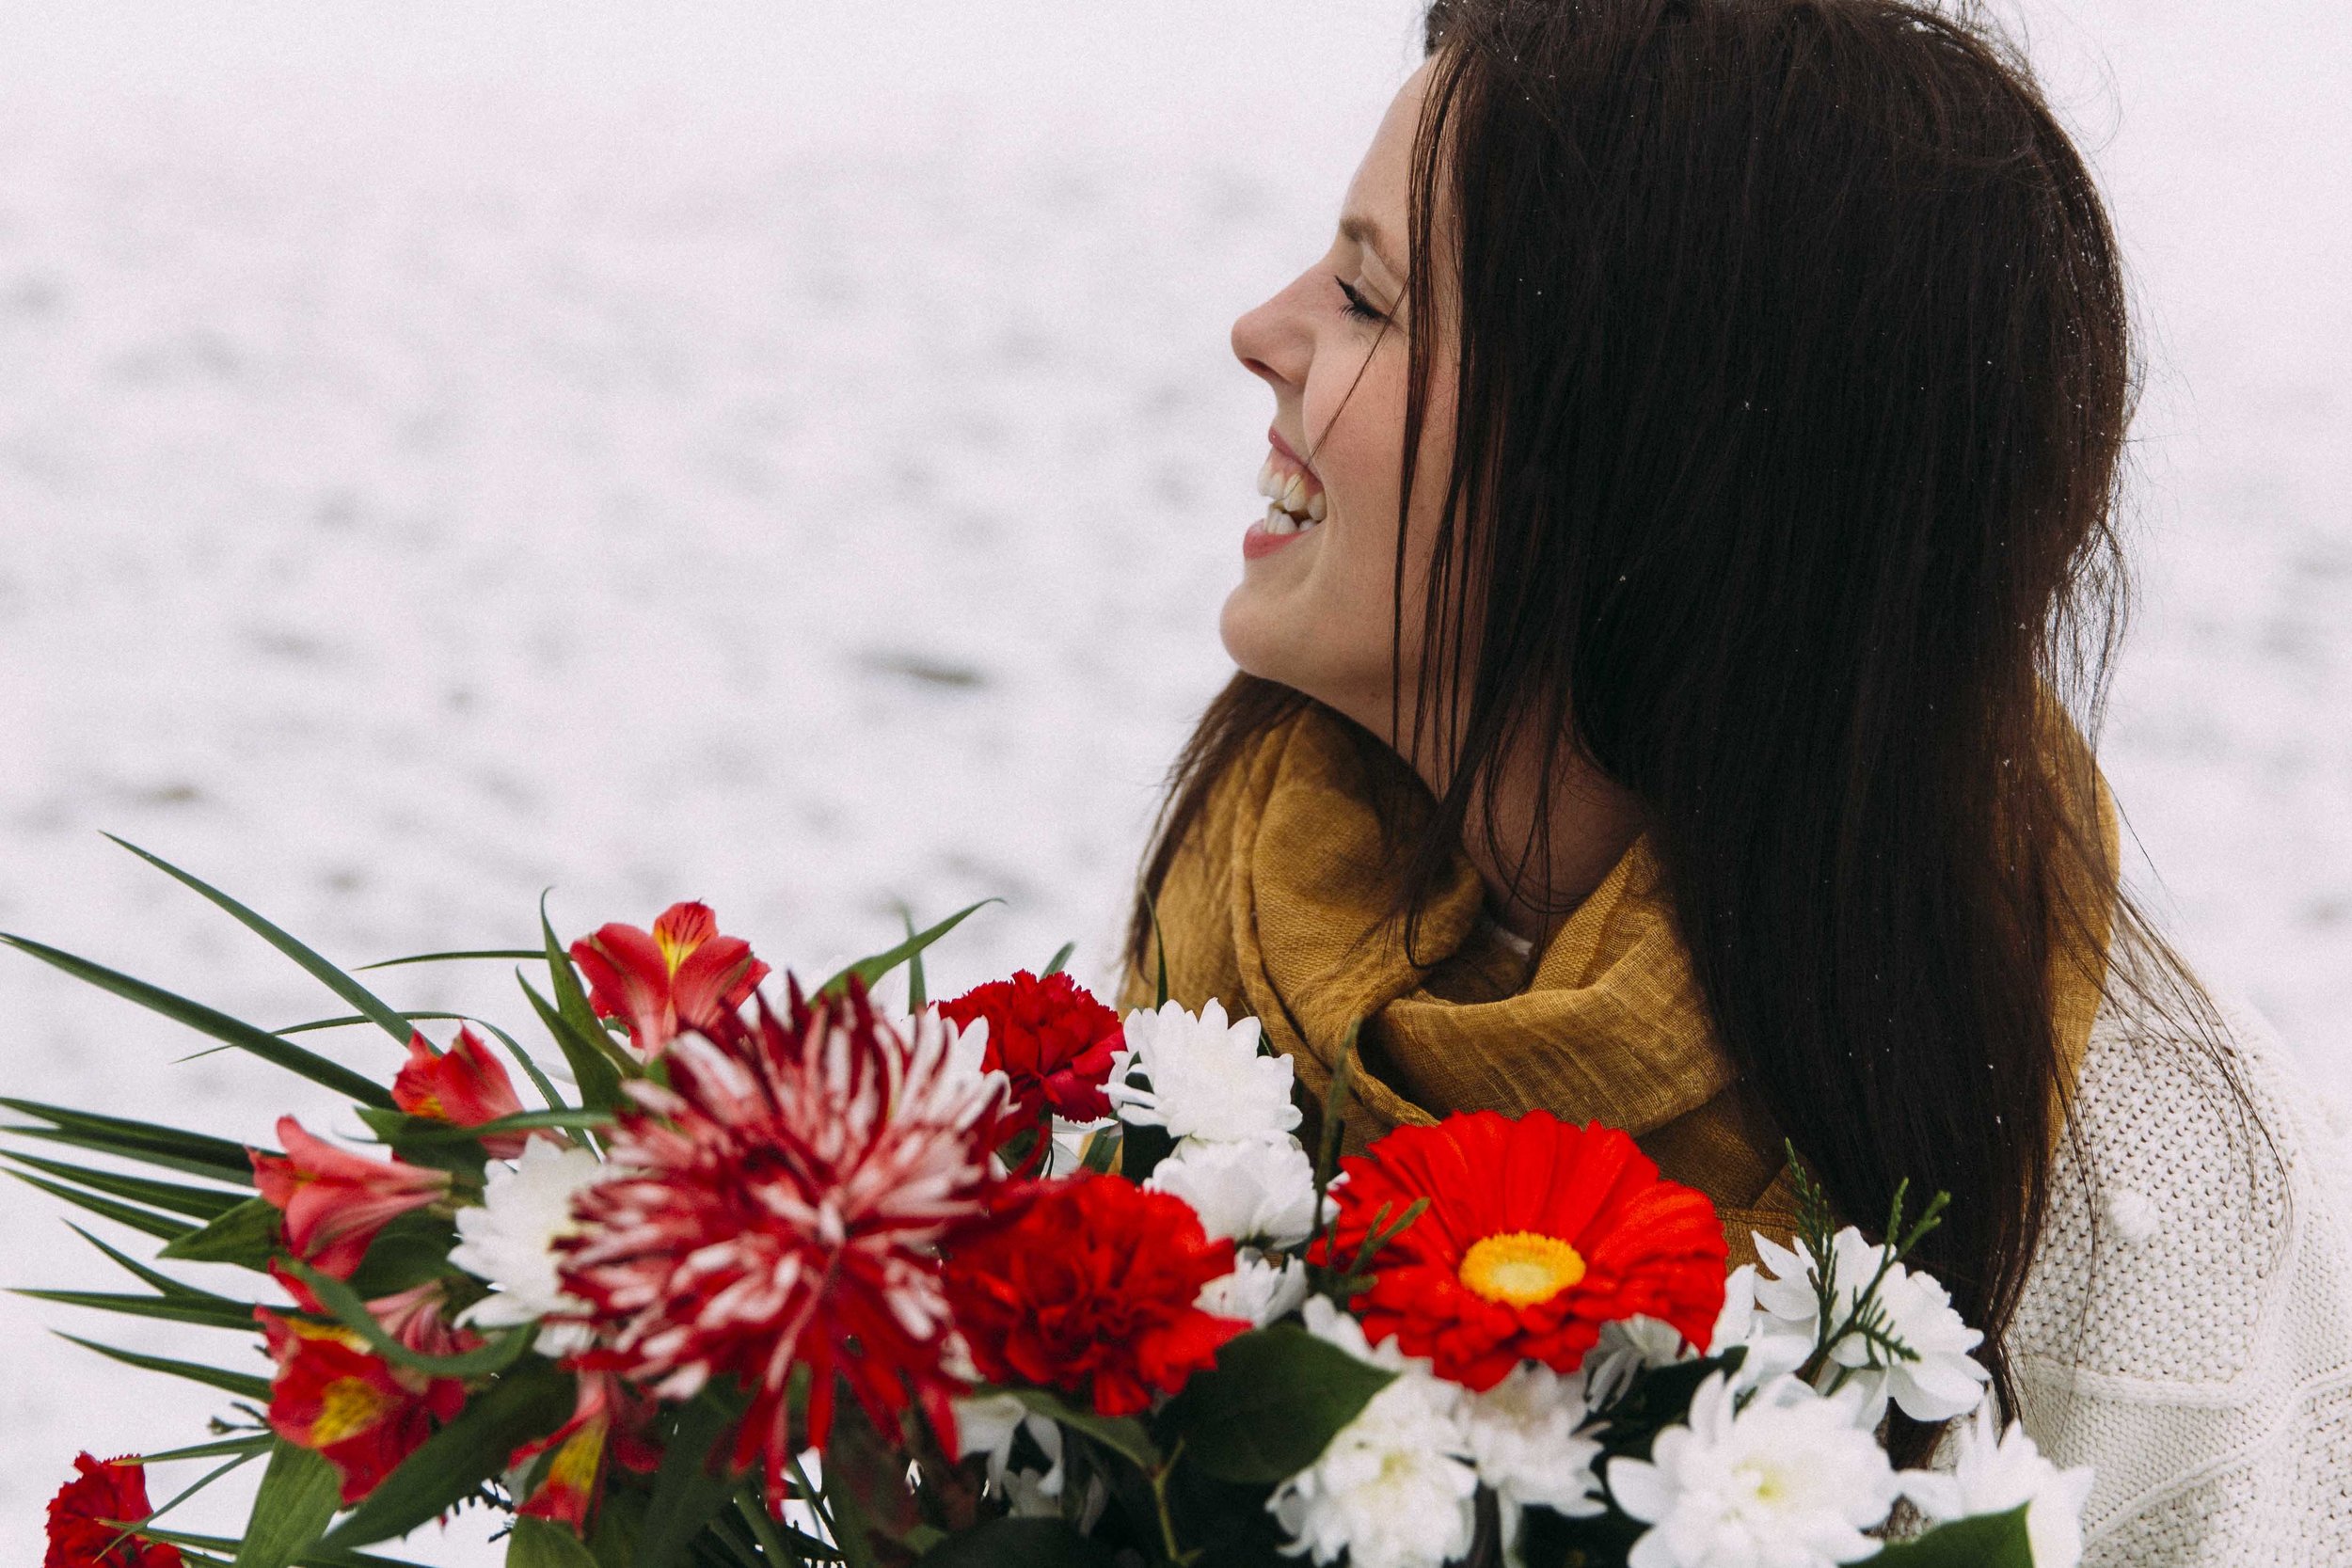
(464, 1086)
(335, 1201)
(1050, 1039)
(1088, 1284)
(88, 1515)
(681, 974)
(1538, 1231)
(782, 1204)
(610, 1422)
(359, 1411)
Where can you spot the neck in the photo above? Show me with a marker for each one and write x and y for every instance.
(1539, 864)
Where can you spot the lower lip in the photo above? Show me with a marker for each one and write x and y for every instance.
(1258, 542)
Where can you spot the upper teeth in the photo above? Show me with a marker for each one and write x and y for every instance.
(1287, 490)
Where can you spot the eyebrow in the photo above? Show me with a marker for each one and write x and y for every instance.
(1365, 232)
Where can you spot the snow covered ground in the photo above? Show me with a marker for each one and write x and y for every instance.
(788, 454)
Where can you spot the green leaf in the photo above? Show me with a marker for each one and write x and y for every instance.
(1141, 1147)
(539, 1543)
(1122, 1434)
(1104, 1147)
(689, 1490)
(509, 954)
(598, 1079)
(869, 969)
(242, 1385)
(427, 1131)
(197, 1153)
(1061, 956)
(327, 974)
(299, 1493)
(211, 1022)
(249, 1236)
(1019, 1544)
(421, 1141)
(346, 1020)
(413, 1249)
(258, 1443)
(917, 993)
(204, 1312)
(529, 1401)
(199, 1203)
(570, 999)
(156, 1279)
(1270, 1406)
(316, 1556)
(1987, 1541)
(162, 1226)
(345, 1307)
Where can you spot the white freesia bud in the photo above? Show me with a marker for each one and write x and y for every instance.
(1995, 1471)
(1205, 1077)
(509, 1240)
(1790, 1480)
(987, 1423)
(1945, 1380)
(1395, 1487)
(1259, 1192)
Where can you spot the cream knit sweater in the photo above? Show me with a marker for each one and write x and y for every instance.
(2186, 1327)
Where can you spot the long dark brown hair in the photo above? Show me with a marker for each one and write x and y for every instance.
(1794, 375)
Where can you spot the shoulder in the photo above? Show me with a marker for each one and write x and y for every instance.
(2186, 1327)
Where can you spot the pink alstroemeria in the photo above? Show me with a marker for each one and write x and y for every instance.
(464, 1086)
(335, 1201)
(681, 974)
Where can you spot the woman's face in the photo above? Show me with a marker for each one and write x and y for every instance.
(1313, 610)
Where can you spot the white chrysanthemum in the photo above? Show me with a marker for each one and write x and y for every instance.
(1996, 1471)
(1523, 1440)
(1257, 1291)
(1946, 1381)
(1791, 1481)
(1204, 1078)
(1258, 1191)
(509, 1240)
(1395, 1487)
(987, 1423)
(1631, 1345)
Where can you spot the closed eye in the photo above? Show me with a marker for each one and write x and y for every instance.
(1355, 306)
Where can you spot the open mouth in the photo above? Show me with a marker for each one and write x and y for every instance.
(1294, 500)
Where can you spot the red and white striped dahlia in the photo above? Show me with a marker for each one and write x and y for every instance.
(782, 1204)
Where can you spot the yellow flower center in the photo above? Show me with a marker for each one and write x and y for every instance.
(1520, 1268)
(346, 1407)
(674, 950)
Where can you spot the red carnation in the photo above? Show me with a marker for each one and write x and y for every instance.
(681, 974)
(334, 1201)
(464, 1086)
(1050, 1038)
(88, 1515)
(1088, 1284)
(1537, 1233)
(356, 1410)
(781, 1205)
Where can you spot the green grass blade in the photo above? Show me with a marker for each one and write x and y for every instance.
(258, 1443)
(178, 1310)
(329, 974)
(598, 1080)
(243, 1385)
(198, 1203)
(208, 1020)
(1060, 958)
(869, 969)
(348, 1020)
(163, 1228)
(510, 953)
(570, 999)
(345, 1305)
(155, 1278)
(421, 1132)
(298, 1498)
(917, 993)
(147, 1140)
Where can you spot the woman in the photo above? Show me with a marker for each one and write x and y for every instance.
(1691, 486)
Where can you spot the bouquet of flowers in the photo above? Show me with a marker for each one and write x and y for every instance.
(783, 1276)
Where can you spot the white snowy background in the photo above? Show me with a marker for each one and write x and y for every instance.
(786, 453)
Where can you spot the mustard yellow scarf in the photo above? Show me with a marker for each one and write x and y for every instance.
(1277, 905)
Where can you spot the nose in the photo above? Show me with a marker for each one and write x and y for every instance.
(1273, 343)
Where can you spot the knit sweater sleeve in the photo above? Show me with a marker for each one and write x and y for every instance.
(2187, 1326)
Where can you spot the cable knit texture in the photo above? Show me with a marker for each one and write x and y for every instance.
(2186, 1327)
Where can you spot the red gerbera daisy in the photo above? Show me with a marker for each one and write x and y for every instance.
(1050, 1039)
(88, 1515)
(1537, 1233)
(781, 1204)
(1088, 1284)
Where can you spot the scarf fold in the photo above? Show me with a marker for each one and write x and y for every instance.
(1278, 905)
